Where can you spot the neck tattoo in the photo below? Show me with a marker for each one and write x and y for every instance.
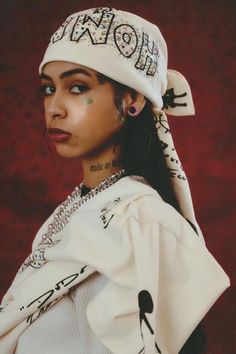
(104, 166)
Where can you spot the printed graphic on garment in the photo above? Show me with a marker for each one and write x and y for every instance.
(162, 123)
(106, 215)
(169, 99)
(2, 308)
(173, 163)
(145, 307)
(103, 26)
(45, 300)
(37, 258)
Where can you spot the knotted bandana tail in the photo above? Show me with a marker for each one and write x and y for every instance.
(177, 101)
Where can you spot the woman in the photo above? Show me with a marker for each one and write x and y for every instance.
(121, 266)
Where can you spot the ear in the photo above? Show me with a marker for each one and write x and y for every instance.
(133, 103)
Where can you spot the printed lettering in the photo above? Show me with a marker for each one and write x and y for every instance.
(99, 10)
(66, 281)
(148, 57)
(126, 40)
(82, 269)
(174, 173)
(96, 28)
(162, 123)
(102, 27)
(164, 145)
(31, 318)
(107, 222)
(63, 30)
(42, 298)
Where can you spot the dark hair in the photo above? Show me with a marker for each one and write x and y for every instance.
(142, 154)
(142, 151)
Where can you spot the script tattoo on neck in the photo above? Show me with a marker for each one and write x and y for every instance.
(104, 166)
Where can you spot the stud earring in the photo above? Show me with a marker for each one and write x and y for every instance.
(132, 111)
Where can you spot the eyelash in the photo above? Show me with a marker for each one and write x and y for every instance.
(43, 89)
(82, 88)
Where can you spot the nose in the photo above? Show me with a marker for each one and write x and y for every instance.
(54, 107)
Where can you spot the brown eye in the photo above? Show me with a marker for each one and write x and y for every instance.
(47, 90)
(78, 89)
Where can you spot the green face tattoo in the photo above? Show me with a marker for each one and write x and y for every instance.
(89, 101)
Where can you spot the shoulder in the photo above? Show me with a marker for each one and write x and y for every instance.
(142, 204)
(152, 209)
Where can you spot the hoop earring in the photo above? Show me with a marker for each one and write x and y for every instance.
(132, 111)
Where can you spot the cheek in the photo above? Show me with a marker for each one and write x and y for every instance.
(46, 118)
(114, 119)
(107, 112)
(46, 115)
(78, 116)
(97, 113)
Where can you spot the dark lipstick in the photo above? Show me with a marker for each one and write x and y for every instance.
(58, 135)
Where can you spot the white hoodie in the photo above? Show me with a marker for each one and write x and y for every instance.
(162, 280)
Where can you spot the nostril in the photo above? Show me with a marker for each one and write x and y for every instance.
(55, 112)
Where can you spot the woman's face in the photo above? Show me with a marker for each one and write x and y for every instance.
(80, 113)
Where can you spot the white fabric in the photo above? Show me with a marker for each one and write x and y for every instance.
(124, 47)
(182, 104)
(118, 44)
(178, 178)
(146, 250)
(64, 327)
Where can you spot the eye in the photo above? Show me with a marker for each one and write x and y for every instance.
(79, 88)
(47, 90)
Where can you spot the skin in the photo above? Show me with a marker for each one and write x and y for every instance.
(76, 102)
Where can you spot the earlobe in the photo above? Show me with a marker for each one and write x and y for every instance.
(132, 111)
(133, 104)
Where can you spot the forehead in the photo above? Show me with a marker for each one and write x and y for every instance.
(62, 68)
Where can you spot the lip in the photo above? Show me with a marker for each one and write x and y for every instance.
(58, 135)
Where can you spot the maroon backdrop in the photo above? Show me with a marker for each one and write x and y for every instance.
(201, 41)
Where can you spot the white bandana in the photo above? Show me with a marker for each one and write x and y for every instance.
(132, 51)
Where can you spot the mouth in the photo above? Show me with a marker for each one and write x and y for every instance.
(58, 135)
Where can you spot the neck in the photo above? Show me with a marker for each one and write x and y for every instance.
(97, 169)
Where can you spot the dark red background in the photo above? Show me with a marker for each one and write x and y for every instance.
(201, 41)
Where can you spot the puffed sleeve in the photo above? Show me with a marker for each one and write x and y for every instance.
(178, 279)
(161, 285)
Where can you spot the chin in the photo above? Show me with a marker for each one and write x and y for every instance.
(66, 153)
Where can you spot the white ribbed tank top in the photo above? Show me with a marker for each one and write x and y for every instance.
(63, 328)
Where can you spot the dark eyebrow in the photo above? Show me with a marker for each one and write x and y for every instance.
(75, 71)
(67, 74)
(45, 77)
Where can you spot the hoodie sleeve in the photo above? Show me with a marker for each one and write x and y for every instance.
(178, 280)
(162, 283)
